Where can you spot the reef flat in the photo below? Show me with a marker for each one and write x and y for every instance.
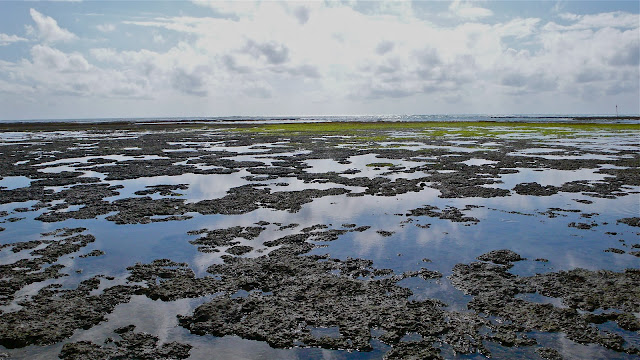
(413, 240)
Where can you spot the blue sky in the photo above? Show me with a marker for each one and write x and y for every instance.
(95, 59)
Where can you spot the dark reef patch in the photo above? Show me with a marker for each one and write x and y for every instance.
(494, 292)
(54, 314)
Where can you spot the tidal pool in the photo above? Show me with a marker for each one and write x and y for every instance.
(251, 244)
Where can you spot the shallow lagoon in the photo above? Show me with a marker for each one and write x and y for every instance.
(478, 196)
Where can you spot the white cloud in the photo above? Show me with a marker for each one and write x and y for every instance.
(465, 9)
(55, 60)
(158, 39)
(373, 59)
(233, 8)
(617, 19)
(369, 55)
(51, 72)
(47, 28)
(9, 39)
(105, 28)
(518, 28)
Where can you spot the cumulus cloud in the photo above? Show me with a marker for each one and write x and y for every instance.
(272, 52)
(191, 82)
(9, 39)
(535, 82)
(158, 39)
(56, 60)
(233, 8)
(465, 9)
(617, 19)
(302, 13)
(47, 28)
(371, 54)
(51, 72)
(106, 27)
(449, 60)
(259, 90)
(384, 47)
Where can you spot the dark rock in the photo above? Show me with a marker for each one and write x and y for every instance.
(582, 226)
(69, 310)
(92, 253)
(450, 213)
(163, 190)
(503, 257)
(167, 280)
(239, 250)
(535, 189)
(549, 354)
(385, 233)
(614, 250)
(633, 221)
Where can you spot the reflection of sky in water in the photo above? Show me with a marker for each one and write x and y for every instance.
(85, 159)
(14, 182)
(360, 162)
(13, 136)
(546, 177)
(569, 157)
(478, 162)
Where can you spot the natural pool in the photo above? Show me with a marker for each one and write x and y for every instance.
(292, 242)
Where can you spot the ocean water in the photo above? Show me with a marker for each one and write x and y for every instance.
(598, 118)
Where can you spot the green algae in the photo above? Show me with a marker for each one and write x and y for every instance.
(367, 131)
(380, 165)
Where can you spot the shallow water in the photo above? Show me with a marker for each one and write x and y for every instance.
(536, 227)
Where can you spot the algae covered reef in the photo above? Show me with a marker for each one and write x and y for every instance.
(320, 240)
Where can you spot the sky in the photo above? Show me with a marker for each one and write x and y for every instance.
(105, 59)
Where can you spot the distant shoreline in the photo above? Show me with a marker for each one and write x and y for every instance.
(514, 118)
(491, 121)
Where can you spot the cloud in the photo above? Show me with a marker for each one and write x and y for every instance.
(371, 55)
(191, 82)
(51, 72)
(47, 28)
(518, 28)
(302, 13)
(9, 39)
(230, 63)
(305, 70)
(229, 8)
(105, 28)
(56, 60)
(258, 90)
(616, 19)
(626, 56)
(535, 82)
(384, 47)
(446, 59)
(465, 10)
(589, 75)
(272, 52)
(158, 39)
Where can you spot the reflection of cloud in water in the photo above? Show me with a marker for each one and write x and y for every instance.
(85, 159)
(14, 182)
(547, 177)
(478, 162)
(342, 208)
(360, 162)
(155, 317)
(572, 350)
